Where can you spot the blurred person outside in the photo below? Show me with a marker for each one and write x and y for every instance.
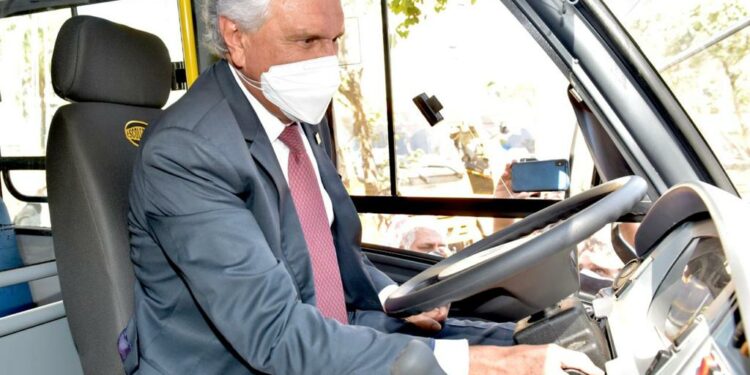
(422, 235)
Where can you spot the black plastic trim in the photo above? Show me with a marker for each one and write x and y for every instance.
(9, 163)
(389, 99)
(28, 163)
(10, 8)
(679, 205)
(17, 194)
(31, 231)
(508, 208)
(472, 207)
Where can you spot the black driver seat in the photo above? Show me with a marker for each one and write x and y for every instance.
(117, 79)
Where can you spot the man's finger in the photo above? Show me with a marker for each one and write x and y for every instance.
(427, 324)
(442, 314)
(576, 360)
(424, 322)
(433, 314)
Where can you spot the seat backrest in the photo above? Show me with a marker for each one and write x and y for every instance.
(117, 79)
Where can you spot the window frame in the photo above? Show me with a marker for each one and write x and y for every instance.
(29, 163)
(9, 164)
(475, 207)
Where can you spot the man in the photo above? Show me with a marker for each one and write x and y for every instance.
(245, 242)
(419, 235)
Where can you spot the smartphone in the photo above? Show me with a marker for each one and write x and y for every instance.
(542, 175)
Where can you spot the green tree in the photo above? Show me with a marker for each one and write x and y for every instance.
(364, 122)
(34, 97)
(664, 33)
(363, 129)
(710, 19)
(411, 10)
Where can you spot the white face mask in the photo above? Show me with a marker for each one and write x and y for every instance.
(302, 90)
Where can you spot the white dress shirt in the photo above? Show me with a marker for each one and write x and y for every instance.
(452, 355)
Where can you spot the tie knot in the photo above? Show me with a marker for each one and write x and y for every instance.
(292, 139)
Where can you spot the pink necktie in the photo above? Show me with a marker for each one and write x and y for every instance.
(308, 201)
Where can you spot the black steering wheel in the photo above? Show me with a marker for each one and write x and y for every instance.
(492, 261)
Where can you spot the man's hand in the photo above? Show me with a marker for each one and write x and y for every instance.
(430, 320)
(528, 360)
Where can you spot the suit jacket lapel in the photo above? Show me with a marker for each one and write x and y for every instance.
(252, 130)
(328, 174)
(291, 248)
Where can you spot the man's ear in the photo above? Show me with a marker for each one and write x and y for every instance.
(232, 36)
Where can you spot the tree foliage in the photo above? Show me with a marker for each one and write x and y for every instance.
(707, 20)
(364, 127)
(411, 10)
(704, 60)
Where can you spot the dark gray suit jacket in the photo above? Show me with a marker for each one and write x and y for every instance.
(224, 280)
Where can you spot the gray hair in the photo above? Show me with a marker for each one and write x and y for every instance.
(248, 14)
(408, 230)
(407, 239)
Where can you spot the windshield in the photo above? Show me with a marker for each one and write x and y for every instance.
(702, 51)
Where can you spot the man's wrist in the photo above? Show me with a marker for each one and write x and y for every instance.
(452, 356)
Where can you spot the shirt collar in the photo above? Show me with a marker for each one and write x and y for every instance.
(271, 124)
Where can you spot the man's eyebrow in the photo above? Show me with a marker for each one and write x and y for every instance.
(304, 35)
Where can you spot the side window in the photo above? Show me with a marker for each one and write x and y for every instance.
(28, 101)
(503, 100)
(502, 97)
(441, 236)
(27, 104)
(158, 17)
(360, 106)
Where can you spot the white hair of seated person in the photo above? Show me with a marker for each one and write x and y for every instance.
(411, 228)
(406, 227)
(407, 239)
(248, 14)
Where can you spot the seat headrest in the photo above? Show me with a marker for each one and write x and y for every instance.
(96, 60)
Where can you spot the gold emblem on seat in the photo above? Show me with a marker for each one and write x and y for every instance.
(134, 131)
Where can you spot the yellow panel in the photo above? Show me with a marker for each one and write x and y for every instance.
(188, 40)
